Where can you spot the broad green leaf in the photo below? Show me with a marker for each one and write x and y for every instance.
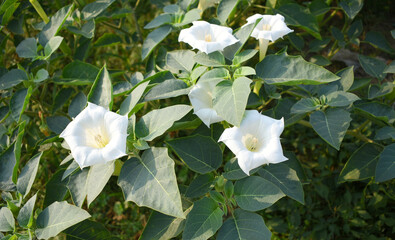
(52, 45)
(225, 9)
(151, 181)
(292, 70)
(294, 163)
(197, 72)
(234, 172)
(296, 41)
(376, 91)
(98, 177)
(56, 188)
(255, 193)
(360, 83)
(167, 89)
(285, 178)
(25, 215)
(78, 186)
(19, 102)
(299, 16)
(377, 39)
(317, 45)
(180, 60)
(108, 39)
(351, 7)
(7, 221)
(304, 105)
(214, 59)
(54, 25)
(130, 102)
(341, 99)
(376, 110)
(93, 9)
(61, 98)
(164, 18)
(320, 60)
(331, 125)
(385, 169)
(201, 185)
(156, 122)
(362, 163)
(230, 99)
(88, 230)
(355, 29)
(87, 30)
(346, 78)
(28, 174)
(390, 68)
(12, 78)
(200, 153)
(244, 71)
(385, 133)
(101, 90)
(172, 8)
(204, 220)
(189, 17)
(7, 164)
(243, 34)
(27, 48)
(4, 112)
(374, 67)
(77, 104)
(216, 74)
(78, 73)
(57, 123)
(244, 56)
(318, 7)
(244, 225)
(57, 217)
(153, 39)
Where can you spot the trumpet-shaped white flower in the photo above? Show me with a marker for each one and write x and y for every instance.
(207, 37)
(271, 27)
(256, 142)
(96, 136)
(202, 102)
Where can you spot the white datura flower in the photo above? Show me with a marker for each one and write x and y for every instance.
(96, 136)
(271, 27)
(256, 142)
(202, 102)
(207, 37)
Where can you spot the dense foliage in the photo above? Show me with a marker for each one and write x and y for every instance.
(177, 171)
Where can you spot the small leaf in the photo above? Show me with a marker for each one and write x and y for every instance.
(373, 66)
(180, 60)
(167, 89)
(385, 133)
(225, 9)
(19, 102)
(130, 102)
(77, 104)
(244, 56)
(201, 185)
(101, 91)
(160, 20)
(153, 39)
(244, 71)
(98, 177)
(7, 221)
(216, 74)
(108, 39)
(92, 10)
(385, 169)
(304, 105)
(78, 73)
(351, 7)
(52, 45)
(25, 216)
(41, 75)
(376, 110)
(376, 91)
(28, 174)
(61, 98)
(57, 123)
(377, 39)
(27, 48)
(89, 230)
(214, 59)
(341, 99)
(12, 78)
(87, 30)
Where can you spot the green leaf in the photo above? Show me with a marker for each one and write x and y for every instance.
(101, 91)
(255, 193)
(57, 217)
(87, 30)
(200, 153)
(54, 25)
(355, 29)
(153, 39)
(331, 125)
(204, 220)
(377, 39)
(296, 41)
(156, 122)
(7, 221)
(167, 89)
(292, 70)
(108, 39)
(225, 9)
(374, 67)
(77, 104)
(376, 91)
(88, 230)
(233, 170)
(243, 34)
(78, 186)
(28, 174)
(346, 78)
(299, 16)
(93, 9)
(41, 75)
(318, 7)
(341, 99)
(4, 110)
(362, 163)
(160, 20)
(57, 123)
(151, 181)
(351, 7)
(130, 102)
(25, 216)
(214, 59)
(244, 56)
(385, 133)
(78, 73)
(304, 105)
(180, 60)
(201, 185)
(244, 71)
(390, 68)
(61, 98)
(216, 74)
(376, 110)
(320, 60)
(284, 178)
(385, 169)
(27, 48)
(244, 225)
(56, 188)
(12, 78)
(19, 102)
(52, 45)
(98, 177)
(189, 17)
(9, 10)
(230, 99)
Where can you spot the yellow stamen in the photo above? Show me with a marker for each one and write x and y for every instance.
(207, 38)
(100, 141)
(251, 142)
(266, 27)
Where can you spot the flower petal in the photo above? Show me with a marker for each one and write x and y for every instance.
(116, 148)
(208, 116)
(232, 139)
(249, 160)
(273, 152)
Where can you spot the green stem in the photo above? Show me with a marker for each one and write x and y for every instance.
(39, 10)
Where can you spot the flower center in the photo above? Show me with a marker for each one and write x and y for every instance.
(101, 142)
(266, 27)
(96, 138)
(207, 38)
(251, 142)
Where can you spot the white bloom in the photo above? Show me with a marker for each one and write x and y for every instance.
(256, 141)
(271, 27)
(202, 102)
(207, 37)
(96, 136)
